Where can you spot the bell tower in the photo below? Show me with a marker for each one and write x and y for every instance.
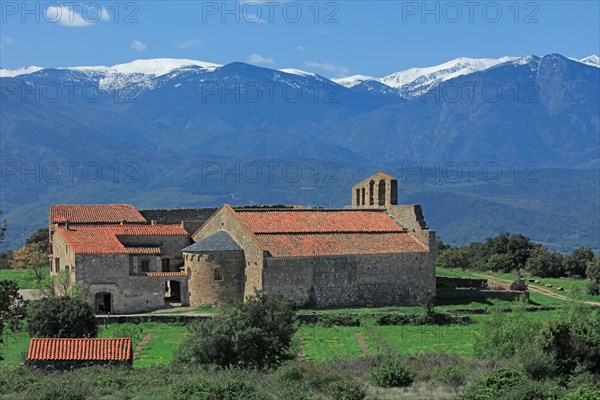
(377, 191)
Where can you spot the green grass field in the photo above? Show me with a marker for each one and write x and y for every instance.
(25, 278)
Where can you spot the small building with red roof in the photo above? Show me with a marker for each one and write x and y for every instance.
(66, 353)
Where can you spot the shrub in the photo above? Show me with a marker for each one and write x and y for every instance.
(256, 334)
(346, 389)
(391, 372)
(519, 285)
(584, 392)
(593, 288)
(61, 317)
(536, 364)
(338, 319)
(229, 389)
(504, 334)
(494, 385)
(452, 375)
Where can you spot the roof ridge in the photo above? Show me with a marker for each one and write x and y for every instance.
(330, 232)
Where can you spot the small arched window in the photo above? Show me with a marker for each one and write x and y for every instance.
(218, 274)
(358, 197)
(363, 197)
(372, 193)
(381, 192)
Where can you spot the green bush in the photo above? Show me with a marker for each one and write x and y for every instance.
(593, 288)
(61, 317)
(346, 389)
(584, 392)
(338, 319)
(391, 372)
(453, 375)
(536, 364)
(257, 334)
(494, 385)
(228, 389)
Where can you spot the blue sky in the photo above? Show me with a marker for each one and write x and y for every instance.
(331, 38)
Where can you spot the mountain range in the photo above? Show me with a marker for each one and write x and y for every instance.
(184, 133)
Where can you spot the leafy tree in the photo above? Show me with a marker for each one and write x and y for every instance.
(576, 262)
(453, 257)
(61, 317)
(500, 263)
(545, 263)
(4, 257)
(505, 334)
(3, 227)
(10, 300)
(593, 269)
(31, 256)
(41, 237)
(60, 285)
(256, 334)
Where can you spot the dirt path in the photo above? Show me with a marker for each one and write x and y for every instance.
(536, 289)
(361, 342)
(141, 344)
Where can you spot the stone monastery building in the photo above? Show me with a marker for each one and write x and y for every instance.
(372, 253)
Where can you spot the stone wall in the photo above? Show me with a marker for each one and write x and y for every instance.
(64, 253)
(351, 281)
(451, 293)
(447, 282)
(204, 288)
(411, 218)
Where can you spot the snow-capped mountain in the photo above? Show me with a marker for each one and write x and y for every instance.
(593, 60)
(415, 81)
(11, 73)
(407, 83)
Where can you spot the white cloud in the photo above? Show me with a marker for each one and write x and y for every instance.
(258, 59)
(188, 44)
(138, 46)
(301, 48)
(67, 16)
(5, 41)
(328, 67)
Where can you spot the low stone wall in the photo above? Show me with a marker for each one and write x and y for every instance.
(135, 319)
(447, 282)
(452, 293)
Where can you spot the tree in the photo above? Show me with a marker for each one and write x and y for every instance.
(3, 227)
(500, 263)
(61, 317)
(10, 301)
(576, 262)
(31, 256)
(545, 263)
(592, 270)
(453, 257)
(40, 236)
(257, 334)
(60, 285)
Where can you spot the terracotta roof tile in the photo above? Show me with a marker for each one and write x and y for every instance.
(94, 213)
(47, 349)
(334, 244)
(104, 239)
(307, 221)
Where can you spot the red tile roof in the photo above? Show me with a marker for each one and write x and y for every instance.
(46, 349)
(94, 213)
(335, 244)
(318, 221)
(305, 233)
(104, 239)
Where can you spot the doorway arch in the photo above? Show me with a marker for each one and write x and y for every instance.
(103, 303)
